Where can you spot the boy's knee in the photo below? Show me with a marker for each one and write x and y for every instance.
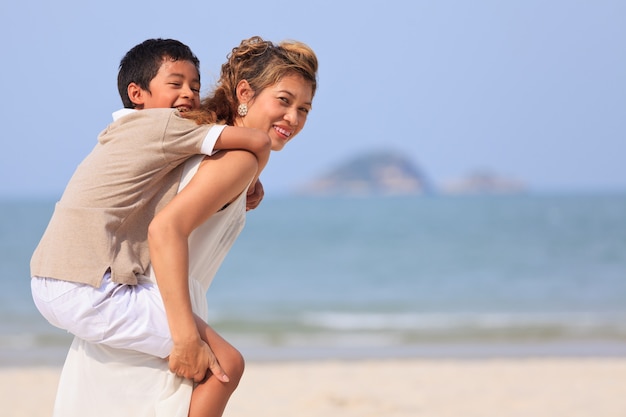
(235, 367)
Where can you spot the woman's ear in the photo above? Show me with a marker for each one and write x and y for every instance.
(244, 92)
(136, 95)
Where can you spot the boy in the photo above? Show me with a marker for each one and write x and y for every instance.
(85, 269)
(177, 79)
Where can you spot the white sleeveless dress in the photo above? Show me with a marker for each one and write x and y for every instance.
(98, 381)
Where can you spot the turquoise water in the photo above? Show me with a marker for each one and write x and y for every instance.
(425, 276)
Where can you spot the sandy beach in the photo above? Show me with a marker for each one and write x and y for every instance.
(532, 387)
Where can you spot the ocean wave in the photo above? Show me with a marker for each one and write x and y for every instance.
(347, 321)
(422, 326)
(407, 321)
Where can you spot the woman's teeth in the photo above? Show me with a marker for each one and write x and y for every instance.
(282, 131)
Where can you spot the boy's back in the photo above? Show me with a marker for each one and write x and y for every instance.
(102, 218)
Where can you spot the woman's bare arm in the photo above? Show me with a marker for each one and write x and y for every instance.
(218, 181)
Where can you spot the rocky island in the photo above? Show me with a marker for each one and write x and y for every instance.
(381, 173)
(389, 173)
(483, 182)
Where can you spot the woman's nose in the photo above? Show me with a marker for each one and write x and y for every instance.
(292, 117)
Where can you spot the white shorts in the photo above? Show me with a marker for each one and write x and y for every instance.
(117, 315)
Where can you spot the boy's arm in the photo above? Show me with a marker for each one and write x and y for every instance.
(246, 139)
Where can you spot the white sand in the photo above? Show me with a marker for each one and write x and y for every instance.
(391, 388)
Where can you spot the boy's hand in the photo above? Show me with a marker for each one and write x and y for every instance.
(195, 361)
(255, 195)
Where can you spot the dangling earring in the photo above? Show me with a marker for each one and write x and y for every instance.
(242, 110)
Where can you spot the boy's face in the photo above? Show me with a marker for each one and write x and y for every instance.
(176, 85)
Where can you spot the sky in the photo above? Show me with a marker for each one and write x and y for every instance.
(532, 90)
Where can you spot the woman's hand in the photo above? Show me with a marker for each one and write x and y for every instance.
(195, 360)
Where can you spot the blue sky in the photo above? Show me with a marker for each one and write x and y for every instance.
(533, 90)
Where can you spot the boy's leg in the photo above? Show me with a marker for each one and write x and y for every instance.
(117, 315)
(125, 316)
(209, 398)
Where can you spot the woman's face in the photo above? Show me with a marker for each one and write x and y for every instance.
(281, 109)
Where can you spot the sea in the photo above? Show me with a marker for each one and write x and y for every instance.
(537, 274)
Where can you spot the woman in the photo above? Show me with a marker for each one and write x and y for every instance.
(262, 86)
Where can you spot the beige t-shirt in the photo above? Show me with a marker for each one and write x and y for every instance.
(102, 219)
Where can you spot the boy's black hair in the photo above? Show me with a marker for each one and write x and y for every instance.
(141, 64)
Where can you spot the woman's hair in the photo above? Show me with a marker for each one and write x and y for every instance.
(262, 64)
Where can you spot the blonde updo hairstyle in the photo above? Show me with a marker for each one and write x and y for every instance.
(261, 64)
